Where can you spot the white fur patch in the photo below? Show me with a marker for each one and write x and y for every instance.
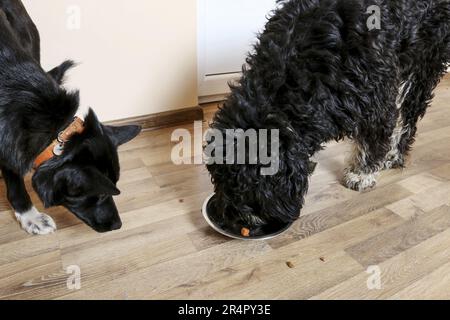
(394, 156)
(35, 222)
(360, 181)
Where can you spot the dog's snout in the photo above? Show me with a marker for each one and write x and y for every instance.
(108, 227)
(116, 225)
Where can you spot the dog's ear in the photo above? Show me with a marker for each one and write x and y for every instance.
(92, 124)
(122, 135)
(89, 181)
(118, 135)
(60, 71)
(101, 185)
(52, 187)
(46, 194)
(44, 184)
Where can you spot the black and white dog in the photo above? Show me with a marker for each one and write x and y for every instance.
(34, 109)
(320, 72)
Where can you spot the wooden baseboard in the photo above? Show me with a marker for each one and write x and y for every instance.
(163, 119)
(214, 98)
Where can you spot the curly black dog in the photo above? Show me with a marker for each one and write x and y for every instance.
(34, 108)
(318, 73)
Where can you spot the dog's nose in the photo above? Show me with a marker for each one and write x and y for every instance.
(116, 225)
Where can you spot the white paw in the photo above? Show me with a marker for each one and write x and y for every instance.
(394, 160)
(36, 223)
(359, 181)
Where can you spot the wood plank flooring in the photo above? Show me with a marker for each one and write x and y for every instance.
(166, 251)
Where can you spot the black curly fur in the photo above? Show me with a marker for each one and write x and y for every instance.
(318, 74)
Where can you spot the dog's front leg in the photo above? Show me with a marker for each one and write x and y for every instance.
(372, 143)
(29, 217)
(366, 162)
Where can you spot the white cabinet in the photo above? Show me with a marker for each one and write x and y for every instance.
(226, 31)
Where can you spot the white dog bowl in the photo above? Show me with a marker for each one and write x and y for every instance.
(232, 235)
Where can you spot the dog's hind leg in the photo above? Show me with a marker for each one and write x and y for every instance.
(414, 106)
(430, 59)
(29, 217)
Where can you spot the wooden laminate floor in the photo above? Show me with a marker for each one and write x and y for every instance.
(165, 249)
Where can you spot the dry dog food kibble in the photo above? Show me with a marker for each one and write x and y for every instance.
(245, 232)
(290, 265)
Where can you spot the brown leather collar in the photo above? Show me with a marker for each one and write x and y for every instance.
(56, 148)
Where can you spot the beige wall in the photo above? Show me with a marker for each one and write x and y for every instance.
(137, 57)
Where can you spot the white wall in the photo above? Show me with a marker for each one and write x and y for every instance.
(227, 30)
(137, 57)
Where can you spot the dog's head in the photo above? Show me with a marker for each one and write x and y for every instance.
(84, 178)
(247, 198)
